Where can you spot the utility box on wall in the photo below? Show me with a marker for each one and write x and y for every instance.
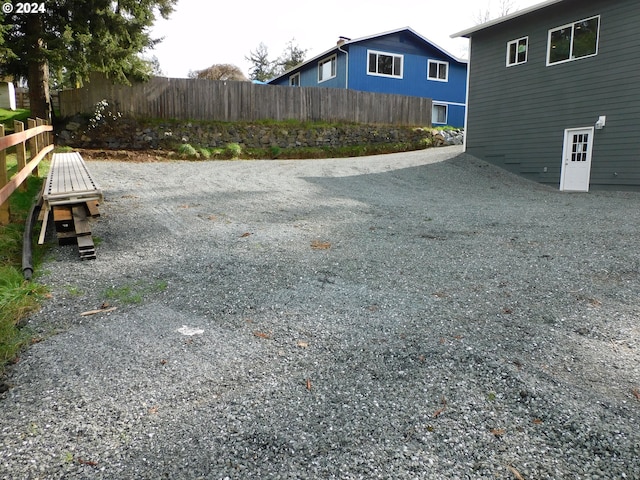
(7, 96)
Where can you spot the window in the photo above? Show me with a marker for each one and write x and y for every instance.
(573, 41)
(326, 69)
(517, 51)
(438, 71)
(294, 80)
(385, 64)
(439, 114)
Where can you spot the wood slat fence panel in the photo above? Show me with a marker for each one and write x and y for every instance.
(229, 101)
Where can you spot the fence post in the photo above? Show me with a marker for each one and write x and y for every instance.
(34, 143)
(46, 138)
(21, 152)
(4, 179)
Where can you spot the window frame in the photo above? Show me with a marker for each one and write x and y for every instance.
(292, 78)
(333, 59)
(439, 63)
(572, 25)
(446, 113)
(377, 53)
(516, 42)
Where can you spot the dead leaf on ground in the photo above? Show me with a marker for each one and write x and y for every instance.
(515, 472)
(262, 335)
(318, 245)
(302, 344)
(440, 411)
(636, 393)
(308, 384)
(246, 234)
(153, 410)
(537, 421)
(87, 462)
(498, 432)
(212, 217)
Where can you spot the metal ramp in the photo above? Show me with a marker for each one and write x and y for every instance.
(71, 194)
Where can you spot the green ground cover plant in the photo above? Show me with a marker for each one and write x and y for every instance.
(18, 297)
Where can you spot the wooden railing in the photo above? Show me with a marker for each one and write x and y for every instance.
(39, 140)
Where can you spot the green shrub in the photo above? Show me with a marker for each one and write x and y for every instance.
(275, 151)
(187, 151)
(205, 153)
(233, 150)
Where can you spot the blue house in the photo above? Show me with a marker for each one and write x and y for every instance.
(400, 62)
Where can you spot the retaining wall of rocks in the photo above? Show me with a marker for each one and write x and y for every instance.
(119, 133)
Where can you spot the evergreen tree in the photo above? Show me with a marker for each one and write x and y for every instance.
(262, 68)
(72, 38)
(292, 56)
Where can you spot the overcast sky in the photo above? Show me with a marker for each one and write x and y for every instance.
(202, 33)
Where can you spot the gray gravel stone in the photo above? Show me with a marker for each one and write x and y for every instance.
(420, 315)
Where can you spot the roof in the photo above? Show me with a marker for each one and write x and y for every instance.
(470, 31)
(348, 42)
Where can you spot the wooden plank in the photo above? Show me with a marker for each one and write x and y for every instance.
(62, 214)
(80, 221)
(85, 243)
(67, 238)
(21, 153)
(86, 248)
(22, 136)
(4, 179)
(33, 143)
(63, 219)
(18, 178)
(92, 209)
(45, 220)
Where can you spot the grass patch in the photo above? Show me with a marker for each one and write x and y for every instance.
(18, 298)
(134, 293)
(8, 116)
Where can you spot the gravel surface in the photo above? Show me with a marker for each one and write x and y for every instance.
(420, 315)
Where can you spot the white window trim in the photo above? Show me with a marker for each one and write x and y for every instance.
(436, 79)
(446, 109)
(295, 75)
(332, 58)
(389, 54)
(572, 25)
(516, 42)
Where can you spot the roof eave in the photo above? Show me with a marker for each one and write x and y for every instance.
(470, 31)
(362, 39)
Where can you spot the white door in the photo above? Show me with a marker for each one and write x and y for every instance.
(576, 159)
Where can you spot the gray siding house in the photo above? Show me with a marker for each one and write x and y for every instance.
(554, 93)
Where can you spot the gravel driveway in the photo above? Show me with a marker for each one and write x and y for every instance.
(411, 316)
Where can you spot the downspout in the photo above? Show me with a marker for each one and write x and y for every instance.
(466, 101)
(346, 77)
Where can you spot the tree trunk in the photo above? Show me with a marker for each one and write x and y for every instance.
(38, 74)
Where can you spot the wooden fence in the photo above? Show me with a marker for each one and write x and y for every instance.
(230, 101)
(38, 139)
